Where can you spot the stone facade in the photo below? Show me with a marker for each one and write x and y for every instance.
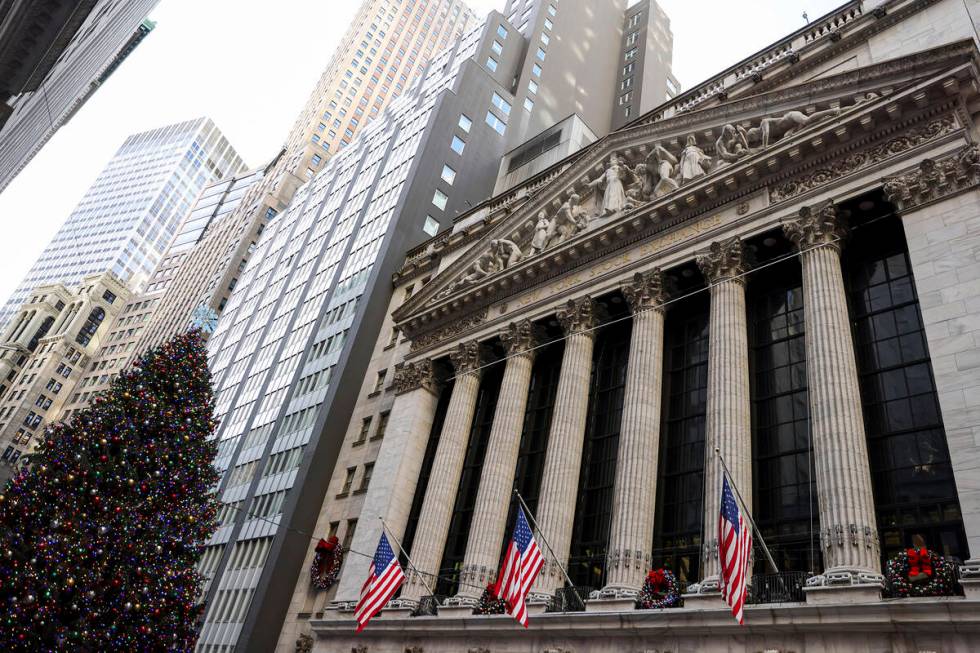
(856, 180)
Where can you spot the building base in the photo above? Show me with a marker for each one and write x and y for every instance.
(610, 605)
(706, 601)
(455, 611)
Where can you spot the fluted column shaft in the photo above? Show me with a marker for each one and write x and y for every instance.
(728, 421)
(563, 460)
(488, 530)
(635, 490)
(849, 532)
(447, 468)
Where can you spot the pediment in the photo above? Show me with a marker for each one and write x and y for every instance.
(653, 176)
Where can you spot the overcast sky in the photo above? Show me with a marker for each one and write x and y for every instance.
(250, 66)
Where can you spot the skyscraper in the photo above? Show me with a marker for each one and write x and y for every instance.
(382, 53)
(129, 215)
(48, 77)
(291, 349)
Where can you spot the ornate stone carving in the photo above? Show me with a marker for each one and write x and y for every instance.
(412, 376)
(578, 316)
(662, 164)
(467, 357)
(784, 126)
(694, 162)
(519, 338)
(304, 643)
(646, 291)
(816, 226)
(731, 145)
(859, 160)
(722, 260)
(505, 253)
(610, 184)
(451, 330)
(934, 179)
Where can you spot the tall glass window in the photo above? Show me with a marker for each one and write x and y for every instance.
(677, 534)
(915, 493)
(590, 534)
(784, 496)
(469, 481)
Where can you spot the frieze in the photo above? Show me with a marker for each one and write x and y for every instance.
(856, 161)
(934, 179)
(415, 375)
(449, 331)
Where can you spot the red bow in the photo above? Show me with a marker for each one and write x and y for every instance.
(327, 545)
(920, 562)
(656, 578)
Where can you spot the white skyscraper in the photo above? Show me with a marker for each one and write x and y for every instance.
(129, 216)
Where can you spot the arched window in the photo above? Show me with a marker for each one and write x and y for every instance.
(40, 333)
(90, 327)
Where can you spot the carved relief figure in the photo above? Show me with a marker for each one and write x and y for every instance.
(610, 184)
(570, 220)
(505, 252)
(694, 162)
(645, 183)
(731, 145)
(544, 231)
(772, 130)
(663, 163)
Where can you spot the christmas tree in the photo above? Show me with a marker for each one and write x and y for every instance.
(100, 535)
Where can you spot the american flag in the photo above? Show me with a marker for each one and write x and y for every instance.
(384, 577)
(734, 549)
(522, 563)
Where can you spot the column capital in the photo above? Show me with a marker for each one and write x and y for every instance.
(722, 260)
(467, 357)
(578, 316)
(817, 226)
(646, 291)
(519, 338)
(412, 376)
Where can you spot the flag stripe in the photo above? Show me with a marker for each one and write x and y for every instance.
(520, 567)
(378, 589)
(734, 552)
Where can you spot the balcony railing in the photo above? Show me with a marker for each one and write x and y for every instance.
(565, 599)
(785, 587)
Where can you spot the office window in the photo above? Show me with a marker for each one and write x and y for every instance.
(382, 425)
(631, 39)
(458, 144)
(440, 199)
(465, 123)
(545, 38)
(498, 125)
(108, 296)
(349, 535)
(532, 86)
(348, 480)
(366, 478)
(548, 24)
(540, 54)
(528, 104)
(501, 31)
(379, 383)
(316, 159)
(321, 127)
(630, 54)
(625, 98)
(551, 10)
(430, 227)
(626, 83)
(448, 174)
(496, 47)
(491, 64)
(365, 428)
(536, 70)
(501, 104)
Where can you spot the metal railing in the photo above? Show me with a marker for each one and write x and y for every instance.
(785, 587)
(428, 606)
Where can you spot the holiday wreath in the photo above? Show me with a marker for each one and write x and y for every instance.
(660, 590)
(489, 603)
(327, 558)
(920, 572)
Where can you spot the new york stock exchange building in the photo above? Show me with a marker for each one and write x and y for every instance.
(780, 270)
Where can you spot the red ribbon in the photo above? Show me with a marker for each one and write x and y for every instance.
(920, 562)
(657, 579)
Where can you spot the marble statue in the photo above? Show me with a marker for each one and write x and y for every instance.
(662, 163)
(694, 162)
(570, 220)
(505, 253)
(544, 231)
(783, 126)
(610, 184)
(645, 184)
(731, 145)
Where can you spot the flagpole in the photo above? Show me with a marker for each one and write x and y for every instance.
(765, 549)
(401, 549)
(550, 550)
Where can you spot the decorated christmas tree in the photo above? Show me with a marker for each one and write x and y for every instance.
(100, 535)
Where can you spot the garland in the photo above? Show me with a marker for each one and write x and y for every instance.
(489, 603)
(660, 590)
(327, 558)
(920, 572)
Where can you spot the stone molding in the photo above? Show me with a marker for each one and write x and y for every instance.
(722, 260)
(578, 317)
(467, 357)
(934, 179)
(646, 291)
(451, 330)
(820, 226)
(519, 338)
(412, 376)
(862, 159)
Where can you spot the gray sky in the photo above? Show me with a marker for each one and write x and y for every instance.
(205, 57)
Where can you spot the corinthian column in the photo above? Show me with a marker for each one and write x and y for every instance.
(447, 467)
(493, 499)
(563, 460)
(635, 490)
(728, 421)
(397, 467)
(849, 534)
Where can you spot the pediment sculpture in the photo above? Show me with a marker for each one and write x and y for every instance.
(633, 177)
